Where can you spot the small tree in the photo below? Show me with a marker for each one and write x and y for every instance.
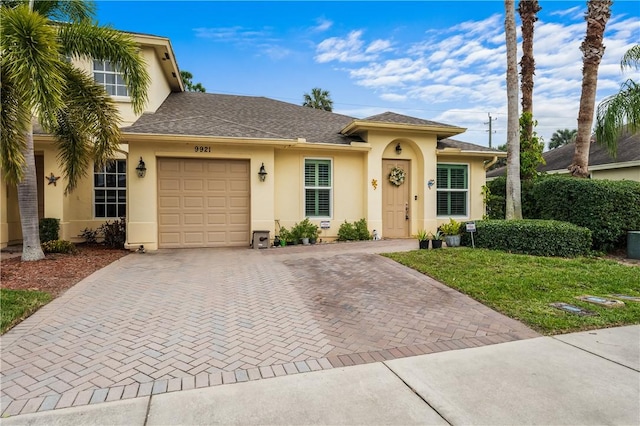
(318, 99)
(187, 79)
(562, 137)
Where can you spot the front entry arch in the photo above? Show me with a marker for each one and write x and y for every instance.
(395, 201)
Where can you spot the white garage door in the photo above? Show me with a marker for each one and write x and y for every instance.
(203, 203)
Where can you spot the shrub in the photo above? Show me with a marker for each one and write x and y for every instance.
(496, 197)
(285, 235)
(452, 228)
(115, 234)
(357, 231)
(89, 235)
(608, 208)
(535, 237)
(59, 246)
(49, 229)
(305, 229)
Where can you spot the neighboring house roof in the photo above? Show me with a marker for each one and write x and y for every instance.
(559, 159)
(208, 114)
(466, 146)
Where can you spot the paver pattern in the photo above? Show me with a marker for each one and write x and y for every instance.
(182, 319)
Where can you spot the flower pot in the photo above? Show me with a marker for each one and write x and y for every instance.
(436, 244)
(312, 240)
(423, 244)
(305, 241)
(452, 240)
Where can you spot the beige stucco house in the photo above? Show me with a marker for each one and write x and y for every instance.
(203, 155)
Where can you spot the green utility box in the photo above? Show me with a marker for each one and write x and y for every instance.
(633, 244)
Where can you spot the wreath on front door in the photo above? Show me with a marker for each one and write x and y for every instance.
(397, 176)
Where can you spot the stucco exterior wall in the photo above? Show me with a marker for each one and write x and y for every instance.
(348, 195)
(627, 173)
(158, 88)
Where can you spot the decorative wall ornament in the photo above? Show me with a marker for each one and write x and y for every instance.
(52, 179)
(374, 183)
(397, 176)
(430, 183)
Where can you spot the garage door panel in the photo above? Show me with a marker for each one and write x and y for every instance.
(193, 166)
(193, 185)
(239, 202)
(217, 185)
(194, 219)
(203, 203)
(217, 202)
(191, 202)
(169, 202)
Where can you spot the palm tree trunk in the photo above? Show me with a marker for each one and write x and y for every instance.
(528, 10)
(598, 13)
(513, 202)
(28, 204)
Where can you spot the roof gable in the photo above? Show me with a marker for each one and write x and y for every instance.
(392, 117)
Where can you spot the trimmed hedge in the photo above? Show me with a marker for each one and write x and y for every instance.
(608, 208)
(59, 246)
(49, 229)
(535, 237)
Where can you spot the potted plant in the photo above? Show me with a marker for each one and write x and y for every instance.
(423, 239)
(452, 231)
(436, 243)
(285, 236)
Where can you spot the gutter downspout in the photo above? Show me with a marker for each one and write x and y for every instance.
(491, 163)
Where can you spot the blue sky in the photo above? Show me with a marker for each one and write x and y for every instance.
(438, 60)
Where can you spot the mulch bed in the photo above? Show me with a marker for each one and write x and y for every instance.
(57, 272)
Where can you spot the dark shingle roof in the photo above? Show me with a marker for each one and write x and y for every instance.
(392, 117)
(561, 158)
(207, 114)
(465, 146)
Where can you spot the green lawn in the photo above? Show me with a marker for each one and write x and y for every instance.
(522, 287)
(16, 305)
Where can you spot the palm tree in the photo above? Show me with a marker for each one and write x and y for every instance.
(318, 99)
(621, 109)
(513, 208)
(562, 137)
(598, 13)
(528, 10)
(187, 79)
(40, 85)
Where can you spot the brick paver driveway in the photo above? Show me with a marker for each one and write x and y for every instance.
(182, 319)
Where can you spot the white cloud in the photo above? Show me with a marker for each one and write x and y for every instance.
(458, 74)
(349, 49)
(322, 24)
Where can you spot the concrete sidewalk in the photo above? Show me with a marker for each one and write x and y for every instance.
(582, 378)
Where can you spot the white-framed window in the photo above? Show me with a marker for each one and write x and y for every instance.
(108, 76)
(110, 189)
(318, 187)
(453, 190)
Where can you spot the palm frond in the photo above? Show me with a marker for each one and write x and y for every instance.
(14, 117)
(631, 58)
(616, 113)
(31, 61)
(87, 40)
(88, 127)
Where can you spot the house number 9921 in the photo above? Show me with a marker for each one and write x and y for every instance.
(200, 148)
